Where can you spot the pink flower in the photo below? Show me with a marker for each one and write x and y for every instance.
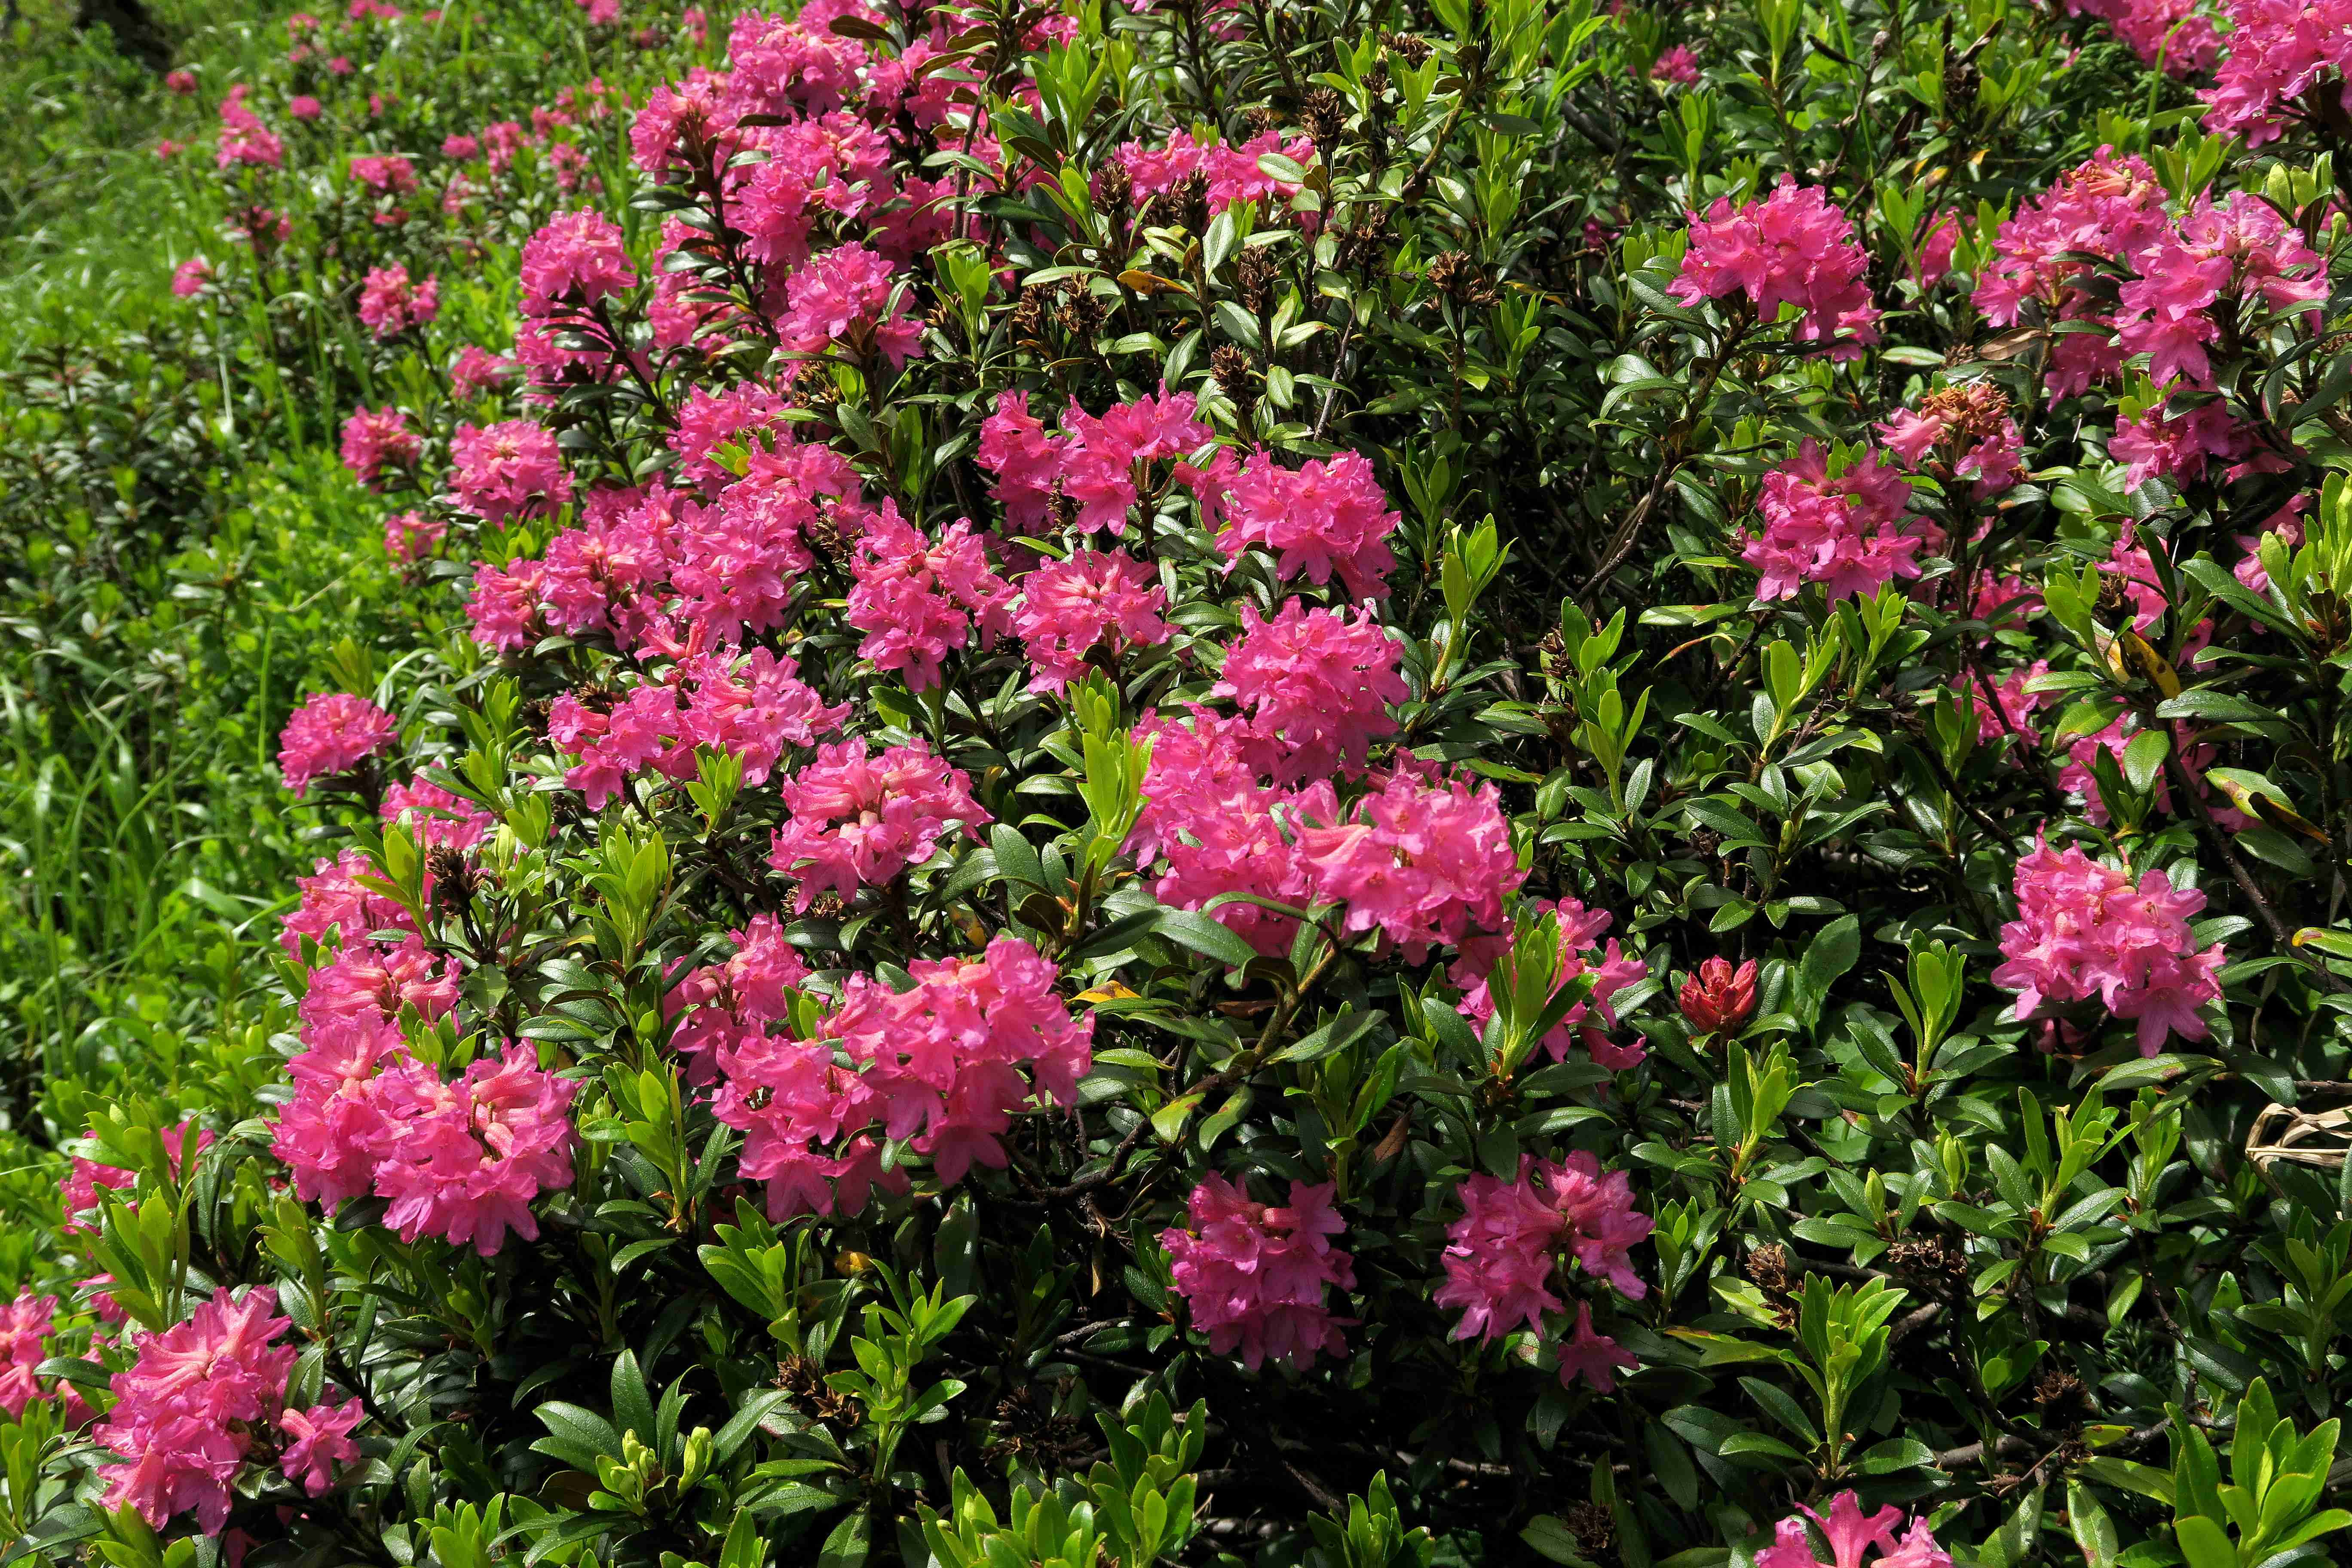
(1316, 685)
(944, 1066)
(1321, 518)
(389, 174)
(1503, 1253)
(1676, 68)
(1254, 1276)
(1024, 459)
(2085, 930)
(1793, 247)
(25, 1326)
(1215, 826)
(302, 105)
(179, 82)
(335, 908)
(1596, 1358)
(1096, 599)
(2014, 717)
(1419, 864)
(321, 1440)
(1499, 1258)
(244, 140)
(470, 1157)
(185, 1413)
(2281, 54)
(1715, 996)
(847, 298)
(852, 821)
(751, 706)
(917, 601)
(1851, 1533)
(2241, 248)
(1960, 432)
(508, 470)
(332, 733)
(576, 260)
(1228, 174)
(390, 304)
(2171, 31)
(2161, 445)
(1579, 933)
(409, 537)
(1101, 460)
(742, 415)
(476, 371)
(376, 439)
(720, 1002)
(434, 817)
(190, 277)
(460, 147)
(1850, 533)
(2109, 207)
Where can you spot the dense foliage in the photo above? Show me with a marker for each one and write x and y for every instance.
(1345, 784)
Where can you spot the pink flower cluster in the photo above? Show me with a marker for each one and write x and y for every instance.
(1419, 864)
(1676, 67)
(576, 261)
(1793, 247)
(853, 820)
(1850, 1534)
(2109, 208)
(716, 1002)
(917, 601)
(476, 371)
(1323, 518)
(409, 537)
(244, 138)
(506, 470)
(332, 733)
(388, 175)
(188, 279)
(1580, 935)
(1316, 686)
(27, 1324)
(2282, 54)
(1960, 432)
(1503, 1254)
(390, 304)
(461, 1161)
(1093, 464)
(1228, 174)
(726, 567)
(847, 299)
(2216, 257)
(1850, 533)
(202, 1397)
(376, 439)
(2174, 32)
(1102, 600)
(941, 1067)
(1254, 1276)
(2085, 930)
(752, 707)
(1422, 862)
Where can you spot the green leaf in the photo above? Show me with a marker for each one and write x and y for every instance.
(1207, 937)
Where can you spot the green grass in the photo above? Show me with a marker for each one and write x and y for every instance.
(87, 208)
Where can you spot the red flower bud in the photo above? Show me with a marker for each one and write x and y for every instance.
(1717, 997)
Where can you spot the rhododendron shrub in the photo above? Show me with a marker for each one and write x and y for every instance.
(1583, 770)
